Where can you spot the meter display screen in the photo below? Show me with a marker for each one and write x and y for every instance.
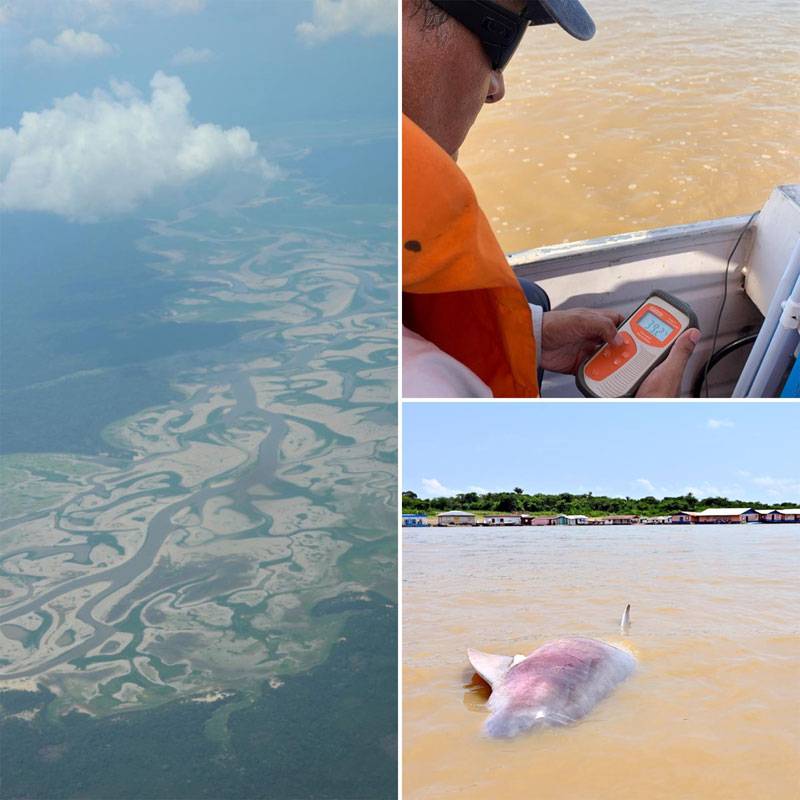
(654, 326)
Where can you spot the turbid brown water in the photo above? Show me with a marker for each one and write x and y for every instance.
(671, 114)
(711, 711)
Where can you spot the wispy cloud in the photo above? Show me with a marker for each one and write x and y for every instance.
(179, 6)
(646, 485)
(705, 490)
(786, 488)
(87, 157)
(100, 13)
(433, 488)
(70, 45)
(335, 17)
(720, 423)
(189, 56)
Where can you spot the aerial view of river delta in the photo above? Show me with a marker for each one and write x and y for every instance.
(198, 551)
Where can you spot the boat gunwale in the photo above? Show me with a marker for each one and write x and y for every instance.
(634, 245)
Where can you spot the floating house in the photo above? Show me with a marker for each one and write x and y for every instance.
(455, 518)
(415, 520)
(724, 516)
(779, 515)
(570, 519)
(502, 519)
(681, 518)
(621, 519)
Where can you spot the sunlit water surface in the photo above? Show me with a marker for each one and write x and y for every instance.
(671, 114)
(711, 711)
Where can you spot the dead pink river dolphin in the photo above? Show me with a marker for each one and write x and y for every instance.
(556, 684)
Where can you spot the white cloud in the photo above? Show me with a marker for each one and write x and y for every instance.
(90, 156)
(191, 56)
(432, 488)
(477, 489)
(335, 17)
(646, 485)
(720, 423)
(766, 480)
(69, 45)
(96, 12)
(788, 488)
(177, 6)
(706, 490)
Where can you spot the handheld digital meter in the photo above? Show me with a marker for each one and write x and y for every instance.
(648, 335)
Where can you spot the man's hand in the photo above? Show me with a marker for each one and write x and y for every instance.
(570, 337)
(665, 379)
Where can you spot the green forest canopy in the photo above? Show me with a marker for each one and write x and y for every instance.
(565, 503)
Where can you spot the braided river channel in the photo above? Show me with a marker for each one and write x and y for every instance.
(198, 556)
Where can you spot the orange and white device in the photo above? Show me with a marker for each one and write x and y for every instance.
(648, 335)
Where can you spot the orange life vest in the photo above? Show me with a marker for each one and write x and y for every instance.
(458, 290)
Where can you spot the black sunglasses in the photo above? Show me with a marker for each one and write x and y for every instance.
(500, 31)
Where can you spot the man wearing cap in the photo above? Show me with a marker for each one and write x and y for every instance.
(468, 327)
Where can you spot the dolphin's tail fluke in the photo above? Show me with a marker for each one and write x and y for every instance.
(625, 622)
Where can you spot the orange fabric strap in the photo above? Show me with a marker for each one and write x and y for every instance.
(458, 290)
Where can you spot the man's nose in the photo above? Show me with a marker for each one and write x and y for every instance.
(497, 87)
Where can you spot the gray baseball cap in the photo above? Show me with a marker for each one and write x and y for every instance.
(569, 14)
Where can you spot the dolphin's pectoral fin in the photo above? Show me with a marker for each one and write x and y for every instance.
(490, 667)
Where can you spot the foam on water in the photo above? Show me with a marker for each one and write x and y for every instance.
(655, 98)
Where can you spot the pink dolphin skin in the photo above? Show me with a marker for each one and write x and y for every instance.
(556, 684)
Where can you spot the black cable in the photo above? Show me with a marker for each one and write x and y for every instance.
(715, 358)
(724, 298)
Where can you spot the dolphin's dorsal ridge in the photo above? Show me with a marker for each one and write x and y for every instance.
(492, 668)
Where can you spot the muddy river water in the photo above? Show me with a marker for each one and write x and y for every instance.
(673, 113)
(710, 712)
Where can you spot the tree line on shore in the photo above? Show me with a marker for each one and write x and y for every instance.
(588, 504)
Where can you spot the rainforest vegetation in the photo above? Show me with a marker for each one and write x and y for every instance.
(518, 501)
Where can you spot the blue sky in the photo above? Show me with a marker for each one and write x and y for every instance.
(733, 449)
(107, 104)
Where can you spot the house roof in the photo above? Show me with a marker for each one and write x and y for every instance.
(720, 512)
(455, 514)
